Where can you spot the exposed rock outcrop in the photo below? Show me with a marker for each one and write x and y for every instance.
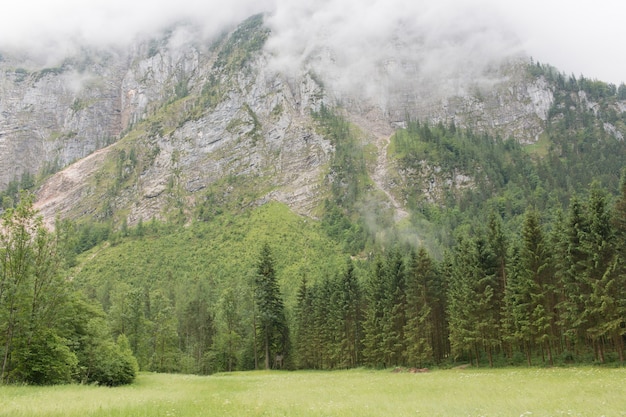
(192, 115)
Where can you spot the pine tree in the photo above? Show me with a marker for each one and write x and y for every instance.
(271, 324)
(421, 305)
(463, 301)
(599, 276)
(498, 245)
(518, 305)
(305, 331)
(575, 289)
(557, 241)
(534, 265)
(373, 351)
(394, 309)
(331, 327)
(351, 317)
(615, 312)
(489, 298)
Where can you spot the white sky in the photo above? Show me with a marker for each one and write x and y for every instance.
(577, 36)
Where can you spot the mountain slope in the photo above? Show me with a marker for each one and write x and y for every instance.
(219, 152)
(191, 114)
(185, 116)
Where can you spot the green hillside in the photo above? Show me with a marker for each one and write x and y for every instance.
(509, 254)
(186, 280)
(219, 253)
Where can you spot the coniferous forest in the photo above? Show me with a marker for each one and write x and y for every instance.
(524, 266)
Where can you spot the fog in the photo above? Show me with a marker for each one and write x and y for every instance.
(443, 36)
(367, 46)
(50, 30)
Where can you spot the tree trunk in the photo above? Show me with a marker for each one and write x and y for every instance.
(267, 349)
(600, 351)
(619, 346)
(477, 355)
(256, 349)
(7, 352)
(550, 359)
(5, 360)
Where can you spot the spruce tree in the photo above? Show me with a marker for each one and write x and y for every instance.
(421, 300)
(373, 350)
(518, 305)
(615, 313)
(534, 264)
(463, 301)
(351, 317)
(394, 309)
(304, 334)
(575, 288)
(600, 275)
(271, 324)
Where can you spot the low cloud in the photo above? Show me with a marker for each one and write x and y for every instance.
(427, 39)
(51, 30)
(377, 47)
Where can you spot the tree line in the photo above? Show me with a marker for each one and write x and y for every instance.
(550, 290)
(553, 291)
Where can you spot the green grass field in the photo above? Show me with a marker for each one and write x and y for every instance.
(468, 392)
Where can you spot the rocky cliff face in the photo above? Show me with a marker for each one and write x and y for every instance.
(194, 117)
(54, 116)
(148, 131)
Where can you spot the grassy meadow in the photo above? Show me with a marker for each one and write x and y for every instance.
(459, 392)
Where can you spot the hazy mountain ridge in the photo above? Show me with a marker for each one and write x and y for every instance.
(186, 114)
(420, 192)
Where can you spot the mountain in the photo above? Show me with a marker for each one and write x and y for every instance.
(138, 134)
(166, 166)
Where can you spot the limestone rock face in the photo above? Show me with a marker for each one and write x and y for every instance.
(51, 117)
(141, 132)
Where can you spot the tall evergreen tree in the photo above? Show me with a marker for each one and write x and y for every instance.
(351, 317)
(373, 350)
(600, 275)
(421, 301)
(305, 331)
(472, 311)
(271, 324)
(575, 289)
(557, 241)
(463, 301)
(615, 312)
(534, 264)
(489, 298)
(394, 317)
(517, 307)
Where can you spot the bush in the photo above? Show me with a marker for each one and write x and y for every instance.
(114, 364)
(44, 360)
